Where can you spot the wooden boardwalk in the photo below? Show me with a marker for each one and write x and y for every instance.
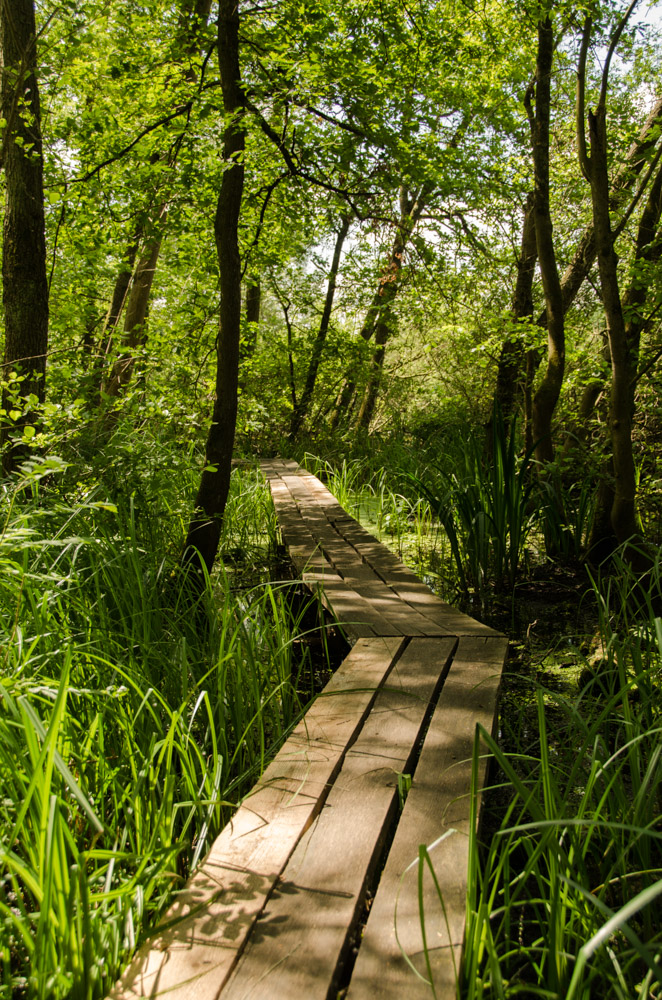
(297, 898)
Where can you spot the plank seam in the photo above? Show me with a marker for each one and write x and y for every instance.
(348, 955)
(319, 805)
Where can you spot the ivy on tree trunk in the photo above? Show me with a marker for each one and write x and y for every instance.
(546, 398)
(24, 281)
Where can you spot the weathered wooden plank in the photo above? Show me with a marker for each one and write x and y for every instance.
(349, 607)
(352, 529)
(438, 805)
(194, 953)
(298, 944)
(418, 596)
(355, 555)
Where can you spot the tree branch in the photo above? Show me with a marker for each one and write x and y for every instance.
(612, 48)
(582, 152)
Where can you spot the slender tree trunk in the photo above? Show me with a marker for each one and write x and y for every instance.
(253, 304)
(193, 17)
(204, 530)
(24, 280)
(601, 540)
(546, 398)
(300, 412)
(648, 251)
(513, 352)
(94, 379)
(625, 521)
(647, 255)
(624, 516)
(381, 303)
(383, 333)
(136, 310)
(637, 158)
(532, 365)
(578, 433)
(285, 306)
(379, 314)
(120, 290)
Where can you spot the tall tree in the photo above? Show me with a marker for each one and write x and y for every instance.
(136, 309)
(595, 166)
(545, 399)
(301, 408)
(204, 530)
(379, 321)
(513, 351)
(24, 281)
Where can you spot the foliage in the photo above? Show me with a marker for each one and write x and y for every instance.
(130, 725)
(564, 875)
(484, 507)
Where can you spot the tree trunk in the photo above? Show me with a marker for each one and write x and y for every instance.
(604, 532)
(381, 302)
(204, 530)
(624, 517)
(24, 280)
(601, 540)
(253, 303)
(545, 399)
(136, 310)
(383, 332)
(379, 315)
(513, 352)
(647, 254)
(193, 17)
(579, 267)
(94, 379)
(300, 412)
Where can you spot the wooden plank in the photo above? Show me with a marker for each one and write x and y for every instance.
(419, 613)
(204, 931)
(298, 944)
(353, 530)
(438, 804)
(418, 596)
(349, 608)
(393, 609)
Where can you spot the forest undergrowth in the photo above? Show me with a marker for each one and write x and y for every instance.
(131, 724)
(566, 869)
(134, 715)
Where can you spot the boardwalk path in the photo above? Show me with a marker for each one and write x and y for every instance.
(296, 899)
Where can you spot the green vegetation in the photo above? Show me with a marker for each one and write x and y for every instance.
(564, 897)
(131, 722)
(422, 241)
(566, 867)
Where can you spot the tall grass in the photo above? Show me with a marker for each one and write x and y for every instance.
(131, 723)
(563, 898)
(484, 507)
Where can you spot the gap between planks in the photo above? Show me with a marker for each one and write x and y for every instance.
(204, 931)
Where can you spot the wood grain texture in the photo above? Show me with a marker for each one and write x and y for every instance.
(328, 546)
(204, 931)
(300, 940)
(273, 911)
(438, 805)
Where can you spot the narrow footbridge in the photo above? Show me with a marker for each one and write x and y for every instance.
(313, 889)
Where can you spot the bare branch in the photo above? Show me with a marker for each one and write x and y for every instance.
(612, 48)
(582, 152)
